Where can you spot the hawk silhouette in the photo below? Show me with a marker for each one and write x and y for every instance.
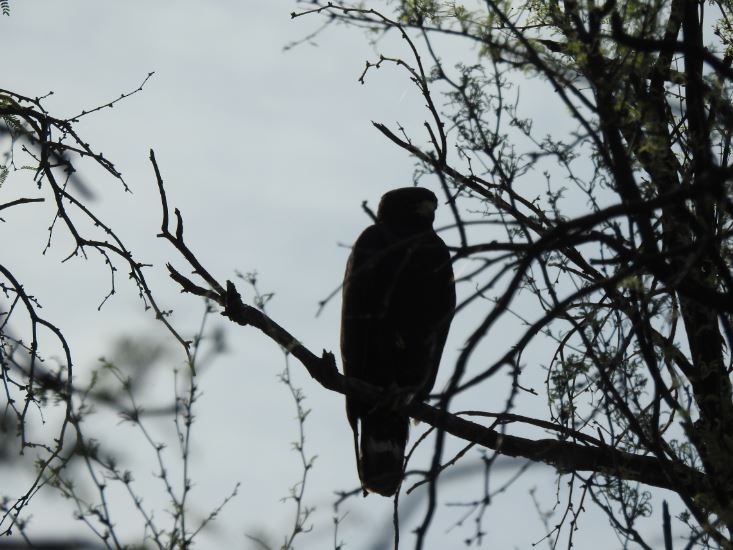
(398, 302)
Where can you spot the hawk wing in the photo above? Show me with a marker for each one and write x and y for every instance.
(360, 315)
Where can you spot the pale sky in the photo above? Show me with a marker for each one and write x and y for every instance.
(268, 154)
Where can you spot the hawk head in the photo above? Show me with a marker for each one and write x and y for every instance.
(408, 209)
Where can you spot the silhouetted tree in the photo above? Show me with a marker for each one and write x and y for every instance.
(616, 248)
(628, 251)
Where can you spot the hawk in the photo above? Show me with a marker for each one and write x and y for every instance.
(398, 301)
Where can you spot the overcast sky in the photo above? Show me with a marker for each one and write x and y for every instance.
(268, 154)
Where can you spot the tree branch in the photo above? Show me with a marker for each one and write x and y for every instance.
(565, 456)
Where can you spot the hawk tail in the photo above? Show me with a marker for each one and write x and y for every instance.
(383, 441)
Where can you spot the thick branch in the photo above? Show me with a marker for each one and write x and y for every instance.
(565, 456)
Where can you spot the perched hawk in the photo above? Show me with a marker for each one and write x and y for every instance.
(398, 302)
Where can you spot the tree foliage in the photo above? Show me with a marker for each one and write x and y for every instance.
(616, 228)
